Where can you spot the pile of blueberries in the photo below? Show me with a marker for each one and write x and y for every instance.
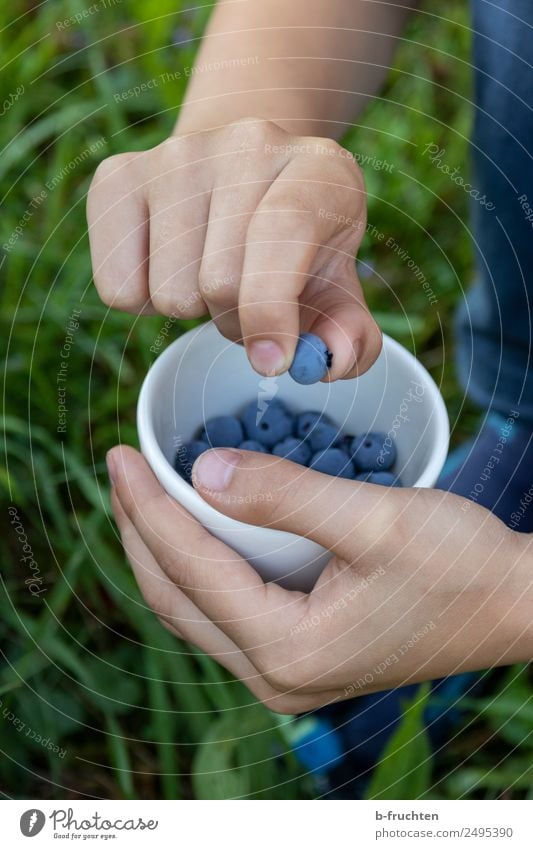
(310, 439)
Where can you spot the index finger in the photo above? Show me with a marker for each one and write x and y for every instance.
(288, 242)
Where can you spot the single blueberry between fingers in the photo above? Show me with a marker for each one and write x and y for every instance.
(380, 478)
(269, 425)
(253, 445)
(311, 359)
(224, 432)
(293, 449)
(186, 455)
(373, 452)
(334, 462)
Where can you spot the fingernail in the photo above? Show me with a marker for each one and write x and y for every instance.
(266, 356)
(111, 467)
(214, 469)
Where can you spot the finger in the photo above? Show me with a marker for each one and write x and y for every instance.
(166, 600)
(340, 514)
(181, 616)
(186, 621)
(338, 314)
(221, 584)
(233, 202)
(179, 209)
(287, 243)
(117, 216)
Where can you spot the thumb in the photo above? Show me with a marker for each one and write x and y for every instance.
(275, 493)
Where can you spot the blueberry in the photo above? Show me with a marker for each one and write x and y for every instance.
(293, 449)
(224, 432)
(186, 455)
(370, 454)
(333, 461)
(268, 426)
(253, 445)
(380, 478)
(311, 359)
(305, 422)
(345, 443)
(317, 429)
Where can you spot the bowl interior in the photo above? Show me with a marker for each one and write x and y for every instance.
(203, 375)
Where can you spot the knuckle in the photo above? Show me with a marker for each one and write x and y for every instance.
(114, 168)
(124, 299)
(167, 152)
(284, 678)
(281, 704)
(281, 669)
(253, 132)
(229, 327)
(164, 302)
(219, 289)
(191, 307)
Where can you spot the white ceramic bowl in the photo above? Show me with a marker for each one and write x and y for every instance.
(201, 375)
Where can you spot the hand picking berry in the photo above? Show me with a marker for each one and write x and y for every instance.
(311, 359)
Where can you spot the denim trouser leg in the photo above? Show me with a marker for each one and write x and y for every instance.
(494, 322)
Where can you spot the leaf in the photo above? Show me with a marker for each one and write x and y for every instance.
(119, 756)
(404, 771)
(244, 755)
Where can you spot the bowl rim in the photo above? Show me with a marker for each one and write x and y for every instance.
(171, 480)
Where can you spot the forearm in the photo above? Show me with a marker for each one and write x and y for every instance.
(308, 65)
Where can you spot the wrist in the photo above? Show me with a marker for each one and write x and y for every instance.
(293, 114)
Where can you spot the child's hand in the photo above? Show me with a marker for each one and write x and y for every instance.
(422, 583)
(253, 225)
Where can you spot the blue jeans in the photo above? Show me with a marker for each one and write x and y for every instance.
(494, 321)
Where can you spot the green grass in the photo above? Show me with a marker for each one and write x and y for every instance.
(131, 712)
